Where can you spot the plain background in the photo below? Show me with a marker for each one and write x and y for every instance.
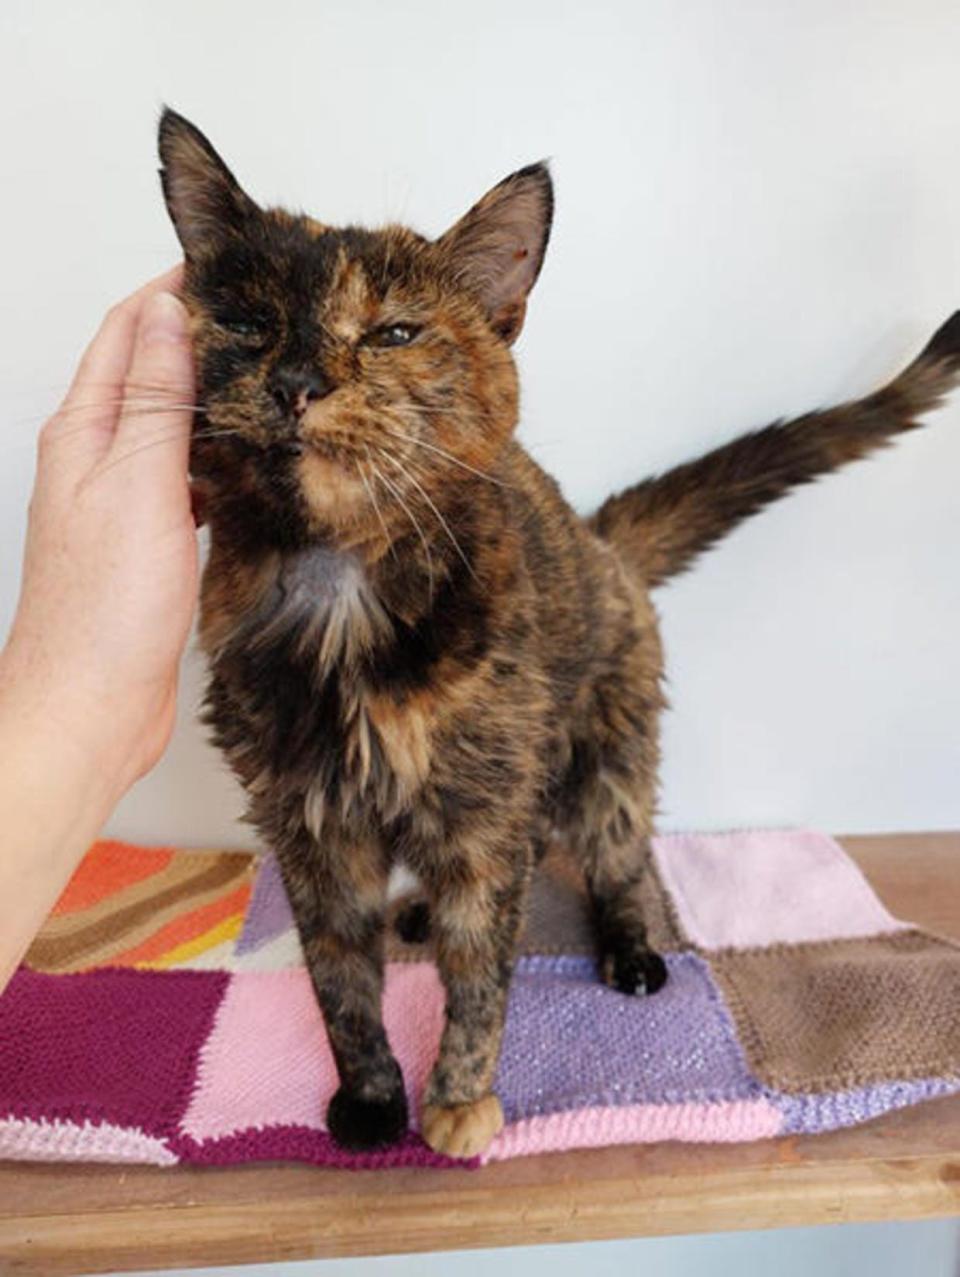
(758, 212)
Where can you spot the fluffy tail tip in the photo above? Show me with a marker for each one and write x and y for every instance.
(945, 342)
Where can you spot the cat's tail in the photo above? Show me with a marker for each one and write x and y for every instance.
(662, 524)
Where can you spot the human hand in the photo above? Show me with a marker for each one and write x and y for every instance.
(110, 570)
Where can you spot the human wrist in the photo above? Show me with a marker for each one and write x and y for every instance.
(57, 727)
(56, 795)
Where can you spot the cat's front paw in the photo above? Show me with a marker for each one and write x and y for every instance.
(637, 971)
(359, 1125)
(462, 1130)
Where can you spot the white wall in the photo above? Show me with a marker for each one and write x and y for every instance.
(759, 210)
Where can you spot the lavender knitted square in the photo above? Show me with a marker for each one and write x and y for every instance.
(571, 1042)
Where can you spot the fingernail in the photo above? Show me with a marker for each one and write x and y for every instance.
(164, 319)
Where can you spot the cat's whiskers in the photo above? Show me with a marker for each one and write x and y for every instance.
(432, 447)
(118, 391)
(156, 443)
(392, 487)
(144, 408)
(429, 500)
(371, 493)
(94, 406)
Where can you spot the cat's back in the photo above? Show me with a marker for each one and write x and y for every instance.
(584, 594)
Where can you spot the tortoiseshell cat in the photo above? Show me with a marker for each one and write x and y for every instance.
(419, 652)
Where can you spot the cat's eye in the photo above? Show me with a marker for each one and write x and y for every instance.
(248, 330)
(391, 335)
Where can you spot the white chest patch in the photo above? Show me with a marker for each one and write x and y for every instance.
(325, 596)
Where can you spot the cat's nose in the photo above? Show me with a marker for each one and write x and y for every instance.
(294, 389)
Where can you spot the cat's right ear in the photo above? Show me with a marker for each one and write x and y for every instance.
(496, 250)
(204, 199)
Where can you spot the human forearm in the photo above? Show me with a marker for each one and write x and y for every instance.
(57, 787)
(88, 676)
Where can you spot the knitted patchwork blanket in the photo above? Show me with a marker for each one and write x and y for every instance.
(164, 1014)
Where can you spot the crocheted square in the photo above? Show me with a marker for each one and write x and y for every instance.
(113, 1046)
(741, 890)
(841, 1015)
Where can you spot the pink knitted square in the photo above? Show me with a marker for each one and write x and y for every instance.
(767, 887)
(729, 1122)
(267, 1061)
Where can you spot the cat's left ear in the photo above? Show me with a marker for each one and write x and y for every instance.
(204, 199)
(496, 250)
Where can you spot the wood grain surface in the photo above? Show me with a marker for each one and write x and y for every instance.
(58, 1219)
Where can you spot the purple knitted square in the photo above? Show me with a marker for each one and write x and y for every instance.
(826, 1111)
(113, 1045)
(268, 914)
(571, 1042)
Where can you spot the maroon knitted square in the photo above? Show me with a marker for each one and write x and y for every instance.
(113, 1045)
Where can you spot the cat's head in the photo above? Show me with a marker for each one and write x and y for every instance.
(345, 373)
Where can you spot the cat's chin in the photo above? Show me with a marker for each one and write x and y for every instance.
(331, 492)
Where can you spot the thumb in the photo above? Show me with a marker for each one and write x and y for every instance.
(155, 420)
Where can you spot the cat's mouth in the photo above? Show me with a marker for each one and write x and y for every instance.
(329, 447)
(326, 468)
(289, 447)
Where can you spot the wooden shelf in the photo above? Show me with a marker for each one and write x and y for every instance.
(57, 1219)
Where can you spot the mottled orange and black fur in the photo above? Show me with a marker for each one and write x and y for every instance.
(419, 653)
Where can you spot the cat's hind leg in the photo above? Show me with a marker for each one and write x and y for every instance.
(609, 808)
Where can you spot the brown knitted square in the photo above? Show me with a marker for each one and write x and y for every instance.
(840, 1014)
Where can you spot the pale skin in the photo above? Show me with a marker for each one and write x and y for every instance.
(88, 676)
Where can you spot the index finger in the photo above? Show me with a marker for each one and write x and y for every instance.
(98, 382)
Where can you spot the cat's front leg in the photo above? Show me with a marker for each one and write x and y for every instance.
(338, 896)
(476, 909)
